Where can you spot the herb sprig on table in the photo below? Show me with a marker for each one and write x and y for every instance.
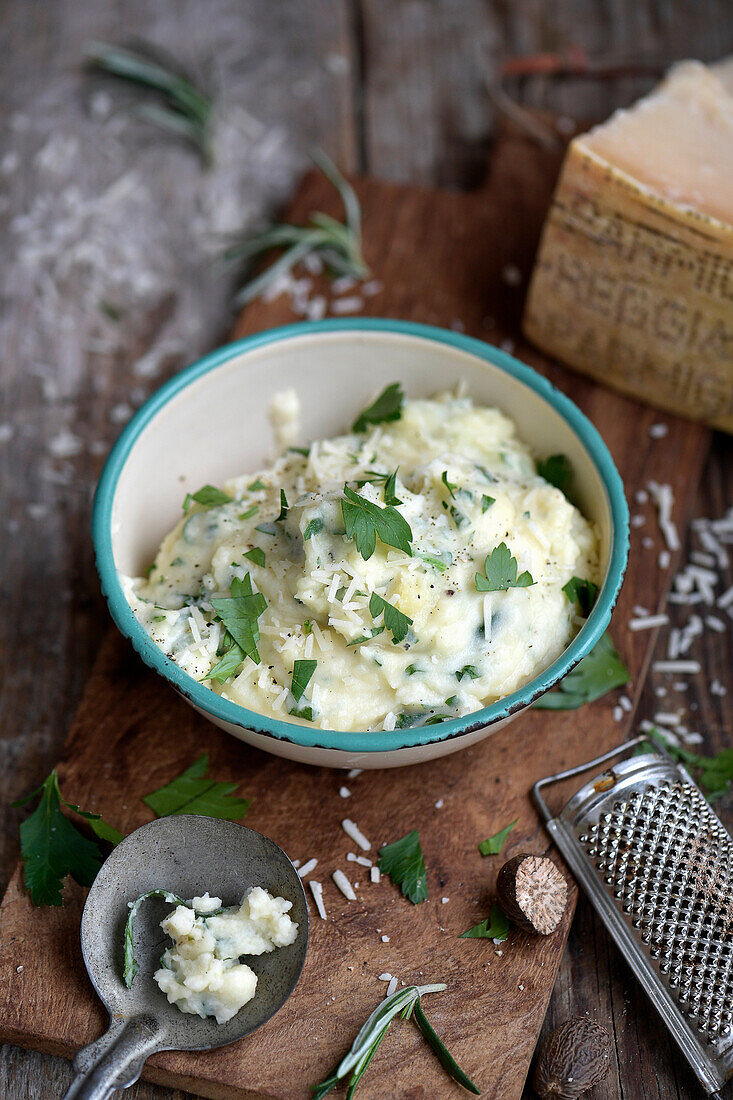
(404, 862)
(52, 847)
(599, 672)
(339, 244)
(495, 927)
(493, 845)
(406, 1003)
(179, 104)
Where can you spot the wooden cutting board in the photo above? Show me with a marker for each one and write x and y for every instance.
(442, 258)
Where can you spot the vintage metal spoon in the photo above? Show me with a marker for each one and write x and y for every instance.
(187, 855)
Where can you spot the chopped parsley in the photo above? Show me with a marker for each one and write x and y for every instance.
(404, 863)
(256, 555)
(192, 792)
(438, 563)
(314, 527)
(390, 496)
(304, 712)
(240, 613)
(308, 627)
(500, 572)
(52, 847)
(495, 927)
(394, 620)
(367, 637)
(266, 528)
(582, 592)
(365, 522)
(304, 451)
(208, 496)
(284, 507)
(451, 488)
(302, 674)
(595, 675)
(557, 470)
(255, 486)
(412, 669)
(388, 406)
(494, 844)
(468, 670)
(250, 512)
(486, 502)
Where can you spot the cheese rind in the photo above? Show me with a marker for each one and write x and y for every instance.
(633, 282)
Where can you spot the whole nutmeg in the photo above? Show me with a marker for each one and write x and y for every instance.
(574, 1058)
(533, 893)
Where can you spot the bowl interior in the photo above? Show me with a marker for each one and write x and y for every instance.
(217, 426)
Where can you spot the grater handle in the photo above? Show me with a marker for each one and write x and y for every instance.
(539, 800)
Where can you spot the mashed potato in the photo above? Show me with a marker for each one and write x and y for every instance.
(407, 573)
(201, 973)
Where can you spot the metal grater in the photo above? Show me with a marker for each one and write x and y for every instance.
(656, 864)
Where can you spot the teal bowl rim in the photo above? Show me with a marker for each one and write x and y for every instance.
(348, 740)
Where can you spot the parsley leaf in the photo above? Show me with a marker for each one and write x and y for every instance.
(599, 672)
(495, 927)
(302, 673)
(468, 670)
(367, 637)
(582, 592)
(403, 862)
(388, 406)
(305, 713)
(364, 522)
(500, 570)
(192, 793)
(486, 502)
(255, 486)
(313, 528)
(240, 613)
(557, 470)
(494, 844)
(439, 564)
(52, 847)
(390, 496)
(284, 506)
(249, 513)
(394, 620)
(451, 488)
(256, 555)
(209, 496)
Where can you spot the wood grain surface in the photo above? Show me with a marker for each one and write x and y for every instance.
(396, 89)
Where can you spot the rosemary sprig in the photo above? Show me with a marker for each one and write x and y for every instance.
(338, 243)
(403, 1003)
(183, 108)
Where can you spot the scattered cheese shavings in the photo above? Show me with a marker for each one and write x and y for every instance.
(385, 977)
(363, 861)
(317, 892)
(344, 792)
(439, 804)
(648, 622)
(354, 833)
(344, 885)
(691, 667)
(307, 868)
(374, 874)
(664, 499)
(354, 772)
(385, 939)
(658, 431)
(393, 982)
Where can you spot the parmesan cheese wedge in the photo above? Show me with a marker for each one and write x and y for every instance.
(633, 282)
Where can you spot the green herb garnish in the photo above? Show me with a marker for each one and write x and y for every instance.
(595, 675)
(500, 572)
(404, 1003)
(390, 496)
(557, 470)
(337, 243)
(494, 844)
(256, 555)
(284, 507)
(209, 496)
(302, 673)
(240, 613)
(314, 527)
(131, 967)
(582, 592)
(249, 513)
(52, 847)
(367, 637)
(495, 927)
(439, 564)
(304, 451)
(253, 488)
(304, 712)
(192, 792)
(386, 407)
(365, 522)
(394, 620)
(486, 502)
(451, 488)
(183, 108)
(404, 863)
(468, 670)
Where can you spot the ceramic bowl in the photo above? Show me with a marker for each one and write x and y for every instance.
(210, 422)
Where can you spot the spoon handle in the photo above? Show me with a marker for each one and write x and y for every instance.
(115, 1060)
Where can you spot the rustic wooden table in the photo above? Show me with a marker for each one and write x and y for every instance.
(107, 287)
